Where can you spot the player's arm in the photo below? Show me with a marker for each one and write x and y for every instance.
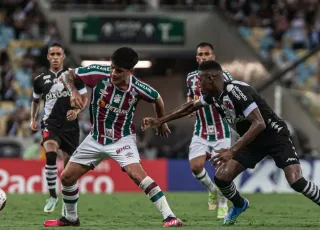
(82, 90)
(181, 111)
(257, 126)
(35, 105)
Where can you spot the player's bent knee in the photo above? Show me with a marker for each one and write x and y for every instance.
(68, 179)
(293, 173)
(196, 168)
(224, 174)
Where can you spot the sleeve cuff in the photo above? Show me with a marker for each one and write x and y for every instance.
(83, 90)
(203, 102)
(36, 96)
(249, 109)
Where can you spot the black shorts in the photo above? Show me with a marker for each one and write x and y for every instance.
(68, 141)
(277, 146)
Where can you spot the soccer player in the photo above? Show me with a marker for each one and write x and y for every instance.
(60, 129)
(211, 132)
(115, 95)
(262, 133)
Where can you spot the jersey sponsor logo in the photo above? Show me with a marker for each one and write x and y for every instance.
(133, 100)
(98, 67)
(123, 148)
(144, 86)
(106, 82)
(46, 77)
(233, 120)
(240, 92)
(117, 98)
(56, 95)
(102, 103)
(47, 81)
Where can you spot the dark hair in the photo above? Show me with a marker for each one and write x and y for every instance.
(209, 65)
(55, 44)
(124, 57)
(204, 44)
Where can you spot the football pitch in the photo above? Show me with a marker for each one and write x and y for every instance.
(133, 211)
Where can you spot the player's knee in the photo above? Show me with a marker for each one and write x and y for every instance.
(224, 174)
(67, 180)
(196, 168)
(51, 158)
(293, 173)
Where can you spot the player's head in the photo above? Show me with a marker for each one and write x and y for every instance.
(123, 61)
(211, 77)
(56, 56)
(205, 52)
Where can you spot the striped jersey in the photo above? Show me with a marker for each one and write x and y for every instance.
(111, 109)
(209, 124)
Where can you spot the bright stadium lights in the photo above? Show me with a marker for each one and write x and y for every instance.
(140, 65)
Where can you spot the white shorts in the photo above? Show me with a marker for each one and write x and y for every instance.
(91, 153)
(200, 147)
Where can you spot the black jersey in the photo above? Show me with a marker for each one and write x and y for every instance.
(237, 101)
(56, 100)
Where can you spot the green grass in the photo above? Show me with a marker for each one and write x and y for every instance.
(133, 211)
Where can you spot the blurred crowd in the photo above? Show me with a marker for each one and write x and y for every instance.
(282, 31)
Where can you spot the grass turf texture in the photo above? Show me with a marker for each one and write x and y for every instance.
(133, 211)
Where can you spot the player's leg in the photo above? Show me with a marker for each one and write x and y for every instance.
(86, 157)
(125, 152)
(198, 151)
(287, 159)
(51, 142)
(69, 143)
(70, 195)
(224, 177)
(222, 200)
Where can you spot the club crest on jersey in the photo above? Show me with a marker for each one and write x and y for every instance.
(117, 98)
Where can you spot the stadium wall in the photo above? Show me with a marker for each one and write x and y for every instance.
(27, 176)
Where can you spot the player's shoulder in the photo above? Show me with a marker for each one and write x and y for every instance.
(42, 76)
(140, 84)
(193, 74)
(238, 89)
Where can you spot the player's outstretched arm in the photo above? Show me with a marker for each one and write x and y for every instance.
(181, 111)
(162, 130)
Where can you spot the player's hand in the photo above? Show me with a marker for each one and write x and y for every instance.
(150, 122)
(33, 125)
(72, 115)
(76, 100)
(222, 156)
(192, 114)
(163, 130)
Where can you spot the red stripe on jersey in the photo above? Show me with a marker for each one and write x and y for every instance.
(203, 133)
(92, 80)
(217, 121)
